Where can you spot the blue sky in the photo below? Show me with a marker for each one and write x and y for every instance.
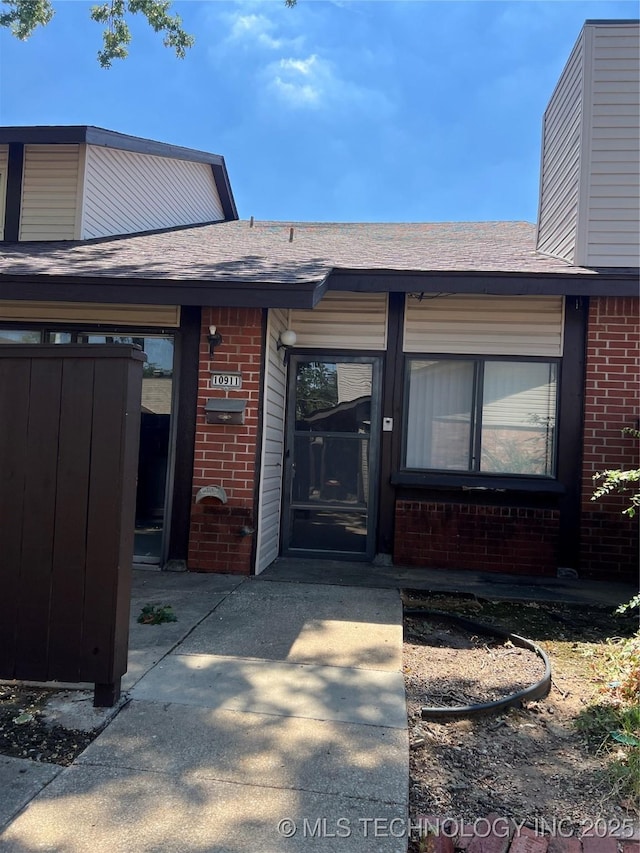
(332, 111)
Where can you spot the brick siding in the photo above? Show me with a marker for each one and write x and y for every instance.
(609, 540)
(485, 538)
(227, 455)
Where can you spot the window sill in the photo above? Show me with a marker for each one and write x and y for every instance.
(477, 482)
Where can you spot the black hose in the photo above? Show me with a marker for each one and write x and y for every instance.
(535, 691)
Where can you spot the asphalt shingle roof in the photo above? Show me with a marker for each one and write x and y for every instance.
(235, 251)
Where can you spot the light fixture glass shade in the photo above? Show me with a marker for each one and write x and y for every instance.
(288, 338)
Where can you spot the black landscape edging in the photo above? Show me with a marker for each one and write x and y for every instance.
(535, 691)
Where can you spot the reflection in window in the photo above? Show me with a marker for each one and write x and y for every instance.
(333, 397)
(14, 336)
(331, 441)
(518, 417)
(481, 415)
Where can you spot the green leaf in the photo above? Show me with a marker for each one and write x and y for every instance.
(25, 15)
(155, 614)
(627, 740)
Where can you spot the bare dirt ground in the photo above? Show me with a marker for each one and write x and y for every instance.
(531, 764)
(24, 732)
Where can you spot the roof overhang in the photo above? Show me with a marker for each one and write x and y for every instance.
(234, 294)
(87, 134)
(99, 136)
(598, 283)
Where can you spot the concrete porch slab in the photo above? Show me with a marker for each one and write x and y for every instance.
(491, 585)
(315, 624)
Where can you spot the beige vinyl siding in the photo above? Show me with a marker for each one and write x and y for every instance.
(49, 192)
(343, 321)
(274, 405)
(126, 192)
(612, 216)
(90, 313)
(4, 157)
(561, 160)
(485, 325)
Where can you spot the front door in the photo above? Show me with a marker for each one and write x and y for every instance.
(331, 457)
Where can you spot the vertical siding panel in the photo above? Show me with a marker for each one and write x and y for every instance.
(274, 396)
(127, 192)
(613, 207)
(560, 173)
(49, 192)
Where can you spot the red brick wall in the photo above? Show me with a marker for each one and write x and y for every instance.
(485, 538)
(227, 455)
(609, 539)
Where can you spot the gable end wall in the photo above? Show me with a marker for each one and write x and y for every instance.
(126, 192)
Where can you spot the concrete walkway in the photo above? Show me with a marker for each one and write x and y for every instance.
(270, 717)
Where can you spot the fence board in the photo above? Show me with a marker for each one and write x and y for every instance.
(69, 547)
(14, 415)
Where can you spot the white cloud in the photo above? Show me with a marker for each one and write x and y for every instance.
(304, 66)
(254, 28)
(301, 82)
(249, 28)
(314, 82)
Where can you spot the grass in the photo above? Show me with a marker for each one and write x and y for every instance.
(612, 723)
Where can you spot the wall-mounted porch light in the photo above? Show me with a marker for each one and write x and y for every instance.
(215, 339)
(287, 339)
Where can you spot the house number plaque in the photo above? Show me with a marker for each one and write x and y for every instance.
(226, 380)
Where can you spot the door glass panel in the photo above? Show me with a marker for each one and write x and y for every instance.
(333, 397)
(330, 482)
(329, 530)
(331, 469)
